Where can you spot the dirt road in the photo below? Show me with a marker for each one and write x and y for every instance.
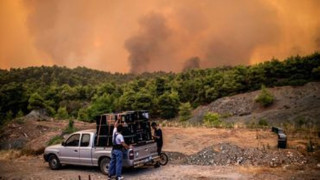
(180, 140)
(34, 168)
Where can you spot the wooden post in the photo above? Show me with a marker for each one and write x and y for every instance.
(99, 130)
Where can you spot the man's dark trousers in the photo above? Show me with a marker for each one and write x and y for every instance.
(159, 148)
(115, 167)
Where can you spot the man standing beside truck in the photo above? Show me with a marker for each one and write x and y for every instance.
(157, 137)
(115, 167)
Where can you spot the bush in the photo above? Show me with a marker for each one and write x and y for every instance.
(19, 114)
(212, 120)
(83, 115)
(168, 105)
(100, 105)
(70, 128)
(62, 113)
(9, 115)
(185, 111)
(228, 125)
(265, 98)
(36, 102)
(262, 122)
(8, 118)
(55, 140)
(316, 72)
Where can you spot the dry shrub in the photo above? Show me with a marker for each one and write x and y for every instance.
(32, 152)
(10, 154)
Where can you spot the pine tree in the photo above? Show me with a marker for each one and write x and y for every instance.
(185, 111)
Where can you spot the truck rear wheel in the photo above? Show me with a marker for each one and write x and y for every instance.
(54, 162)
(104, 165)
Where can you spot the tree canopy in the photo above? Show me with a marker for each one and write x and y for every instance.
(84, 93)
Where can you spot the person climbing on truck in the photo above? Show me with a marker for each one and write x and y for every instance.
(119, 145)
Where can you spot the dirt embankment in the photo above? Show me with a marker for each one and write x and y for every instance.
(291, 104)
(33, 134)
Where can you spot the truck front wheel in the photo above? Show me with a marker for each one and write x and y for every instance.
(104, 165)
(54, 162)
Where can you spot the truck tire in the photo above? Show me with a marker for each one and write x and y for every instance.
(54, 162)
(104, 165)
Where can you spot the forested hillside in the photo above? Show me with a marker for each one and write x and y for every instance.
(84, 93)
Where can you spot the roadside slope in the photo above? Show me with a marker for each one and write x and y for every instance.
(291, 105)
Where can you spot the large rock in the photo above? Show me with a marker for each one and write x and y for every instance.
(39, 115)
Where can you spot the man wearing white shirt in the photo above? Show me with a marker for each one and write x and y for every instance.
(115, 167)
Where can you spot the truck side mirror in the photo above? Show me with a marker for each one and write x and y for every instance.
(63, 143)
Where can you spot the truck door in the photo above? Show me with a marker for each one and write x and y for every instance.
(85, 150)
(70, 153)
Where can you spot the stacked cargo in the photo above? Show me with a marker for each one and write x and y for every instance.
(136, 127)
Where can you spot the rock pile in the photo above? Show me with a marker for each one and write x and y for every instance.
(176, 157)
(227, 154)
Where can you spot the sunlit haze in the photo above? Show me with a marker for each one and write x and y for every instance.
(153, 35)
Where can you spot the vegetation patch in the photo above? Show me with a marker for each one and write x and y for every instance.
(55, 140)
(185, 111)
(70, 127)
(62, 113)
(263, 123)
(212, 120)
(265, 98)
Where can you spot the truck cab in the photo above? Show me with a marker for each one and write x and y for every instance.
(80, 149)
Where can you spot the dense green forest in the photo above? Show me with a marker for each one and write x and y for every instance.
(84, 93)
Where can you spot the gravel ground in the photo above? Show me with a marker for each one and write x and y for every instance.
(228, 154)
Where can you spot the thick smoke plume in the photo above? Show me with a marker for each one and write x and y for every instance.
(145, 46)
(144, 35)
(220, 33)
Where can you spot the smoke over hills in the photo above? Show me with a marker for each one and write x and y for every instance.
(142, 35)
(148, 46)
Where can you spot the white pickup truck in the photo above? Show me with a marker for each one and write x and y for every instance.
(79, 149)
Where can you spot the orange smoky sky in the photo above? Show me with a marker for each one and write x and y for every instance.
(153, 35)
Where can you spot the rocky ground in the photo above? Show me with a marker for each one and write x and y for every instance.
(291, 105)
(226, 154)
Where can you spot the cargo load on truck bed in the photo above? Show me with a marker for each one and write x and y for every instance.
(136, 128)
